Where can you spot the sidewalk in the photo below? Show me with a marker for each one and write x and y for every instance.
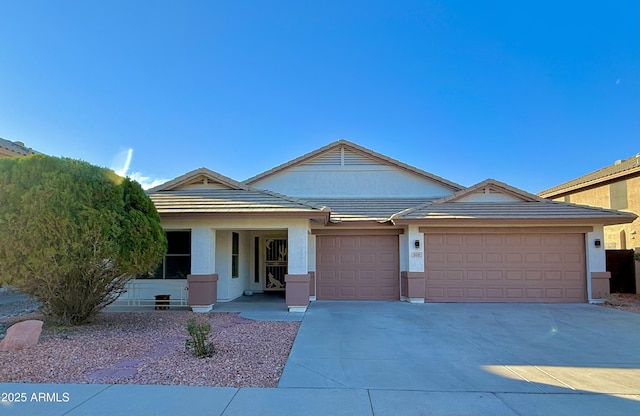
(116, 400)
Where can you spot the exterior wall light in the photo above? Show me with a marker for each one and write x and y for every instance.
(416, 244)
(597, 242)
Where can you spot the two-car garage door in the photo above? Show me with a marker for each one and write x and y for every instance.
(507, 267)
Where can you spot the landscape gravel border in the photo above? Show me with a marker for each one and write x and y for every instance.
(149, 348)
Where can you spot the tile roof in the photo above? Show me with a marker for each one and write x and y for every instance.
(385, 159)
(514, 210)
(226, 201)
(15, 147)
(377, 209)
(618, 169)
(530, 207)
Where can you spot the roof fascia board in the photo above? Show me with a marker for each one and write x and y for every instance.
(508, 222)
(505, 230)
(357, 231)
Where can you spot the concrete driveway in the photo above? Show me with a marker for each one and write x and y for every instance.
(515, 352)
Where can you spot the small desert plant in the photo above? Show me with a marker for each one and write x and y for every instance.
(198, 331)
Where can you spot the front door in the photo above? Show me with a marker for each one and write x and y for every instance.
(275, 263)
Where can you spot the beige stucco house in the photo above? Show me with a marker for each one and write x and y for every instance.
(616, 186)
(345, 222)
(11, 149)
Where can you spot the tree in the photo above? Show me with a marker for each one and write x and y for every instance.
(73, 234)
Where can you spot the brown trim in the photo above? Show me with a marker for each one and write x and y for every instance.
(506, 230)
(507, 222)
(360, 223)
(413, 275)
(360, 231)
(296, 278)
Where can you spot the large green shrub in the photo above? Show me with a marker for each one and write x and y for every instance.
(72, 234)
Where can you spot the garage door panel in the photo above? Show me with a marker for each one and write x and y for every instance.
(513, 294)
(493, 241)
(513, 240)
(493, 275)
(493, 258)
(469, 257)
(513, 275)
(573, 276)
(475, 274)
(367, 267)
(455, 275)
(553, 275)
(505, 267)
(435, 257)
(513, 258)
(552, 258)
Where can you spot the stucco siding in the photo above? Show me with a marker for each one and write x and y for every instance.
(352, 182)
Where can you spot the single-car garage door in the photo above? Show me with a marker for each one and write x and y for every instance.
(518, 267)
(357, 267)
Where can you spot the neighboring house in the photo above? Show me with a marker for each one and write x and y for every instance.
(617, 187)
(345, 222)
(10, 149)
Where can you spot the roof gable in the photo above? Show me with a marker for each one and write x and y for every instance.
(345, 170)
(202, 178)
(491, 190)
(344, 153)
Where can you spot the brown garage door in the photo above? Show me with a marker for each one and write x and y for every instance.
(357, 267)
(505, 268)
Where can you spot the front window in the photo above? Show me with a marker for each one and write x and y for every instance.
(177, 262)
(235, 251)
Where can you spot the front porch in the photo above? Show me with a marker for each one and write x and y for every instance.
(209, 264)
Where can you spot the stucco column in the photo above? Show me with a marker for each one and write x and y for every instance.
(203, 249)
(203, 282)
(297, 277)
(412, 278)
(596, 259)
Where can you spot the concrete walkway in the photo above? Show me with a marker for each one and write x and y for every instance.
(392, 358)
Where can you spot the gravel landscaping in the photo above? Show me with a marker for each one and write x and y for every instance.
(149, 348)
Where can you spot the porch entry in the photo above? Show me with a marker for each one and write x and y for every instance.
(275, 263)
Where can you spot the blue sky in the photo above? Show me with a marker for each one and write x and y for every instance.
(532, 93)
